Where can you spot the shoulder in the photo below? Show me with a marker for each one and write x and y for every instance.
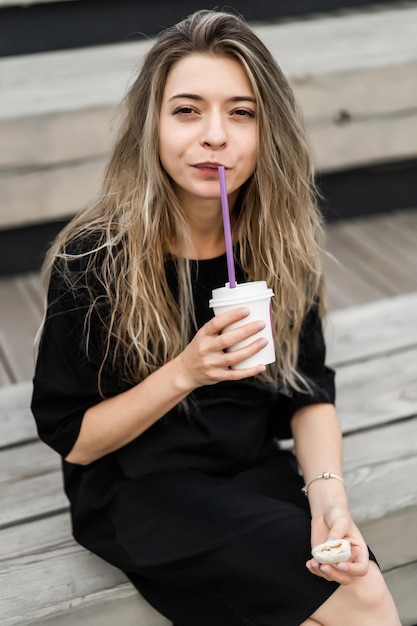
(74, 280)
(77, 263)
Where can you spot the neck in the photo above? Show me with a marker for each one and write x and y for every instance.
(206, 226)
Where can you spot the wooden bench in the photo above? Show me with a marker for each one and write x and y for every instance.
(46, 578)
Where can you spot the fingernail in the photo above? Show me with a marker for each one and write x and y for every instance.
(262, 342)
(260, 325)
(261, 368)
(244, 311)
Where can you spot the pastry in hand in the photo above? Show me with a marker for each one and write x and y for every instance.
(334, 551)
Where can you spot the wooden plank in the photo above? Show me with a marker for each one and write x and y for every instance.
(391, 547)
(368, 263)
(20, 318)
(377, 391)
(397, 240)
(346, 287)
(51, 193)
(6, 377)
(121, 605)
(363, 139)
(408, 219)
(345, 258)
(16, 420)
(72, 80)
(380, 445)
(371, 241)
(32, 498)
(27, 461)
(60, 572)
(64, 137)
(32, 284)
(402, 583)
(31, 538)
(373, 494)
(366, 331)
(124, 607)
(54, 590)
(392, 539)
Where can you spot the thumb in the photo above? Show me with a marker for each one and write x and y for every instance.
(337, 531)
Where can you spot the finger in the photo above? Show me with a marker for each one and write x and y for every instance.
(219, 322)
(329, 572)
(352, 569)
(247, 372)
(339, 530)
(231, 338)
(332, 573)
(359, 562)
(234, 357)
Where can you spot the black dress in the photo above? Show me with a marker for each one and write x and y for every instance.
(203, 511)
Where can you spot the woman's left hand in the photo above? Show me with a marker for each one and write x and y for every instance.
(336, 523)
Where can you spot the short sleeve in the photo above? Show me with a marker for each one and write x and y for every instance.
(65, 380)
(311, 363)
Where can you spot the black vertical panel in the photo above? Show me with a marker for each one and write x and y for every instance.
(78, 23)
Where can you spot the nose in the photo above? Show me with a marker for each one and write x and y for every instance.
(214, 132)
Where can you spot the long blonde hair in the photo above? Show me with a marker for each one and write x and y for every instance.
(125, 237)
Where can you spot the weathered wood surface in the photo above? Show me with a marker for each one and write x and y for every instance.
(382, 327)
(377, 402)
(368, 258)
(21, 306)
(354, 75)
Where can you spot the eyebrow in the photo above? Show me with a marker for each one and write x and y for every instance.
(193, 96)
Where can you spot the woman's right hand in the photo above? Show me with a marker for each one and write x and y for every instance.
(205, 361)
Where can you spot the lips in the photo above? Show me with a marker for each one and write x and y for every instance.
(208, 165)
(208, 169)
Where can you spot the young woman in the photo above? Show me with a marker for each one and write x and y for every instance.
(171, 460)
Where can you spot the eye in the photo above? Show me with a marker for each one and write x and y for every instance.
(183, 110)
(244, 113)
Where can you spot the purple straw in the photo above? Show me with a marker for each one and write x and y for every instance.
(226, 226)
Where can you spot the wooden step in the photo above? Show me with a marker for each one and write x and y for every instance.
(375, 349)
(353, 74)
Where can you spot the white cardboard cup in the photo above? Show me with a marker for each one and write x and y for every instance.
(257, 298)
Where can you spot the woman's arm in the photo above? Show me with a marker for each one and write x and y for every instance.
(116, 421)
(318, 446)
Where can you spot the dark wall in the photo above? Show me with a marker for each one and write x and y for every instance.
(79, 23)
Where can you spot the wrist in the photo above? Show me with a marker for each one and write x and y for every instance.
(325, 494)
(322, 476)
(182, 380)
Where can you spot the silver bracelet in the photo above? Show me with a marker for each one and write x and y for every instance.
(325, 475)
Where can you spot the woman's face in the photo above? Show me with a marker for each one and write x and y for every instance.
(208, 118)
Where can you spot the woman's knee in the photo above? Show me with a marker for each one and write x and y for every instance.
(370, 591)
(366, 597)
